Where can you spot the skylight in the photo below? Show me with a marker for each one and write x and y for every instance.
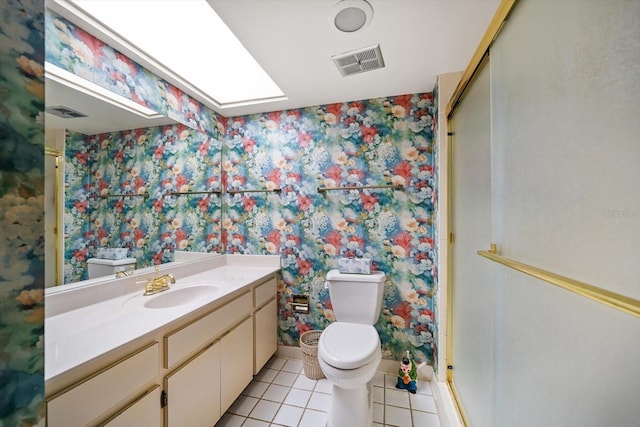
(189, 38)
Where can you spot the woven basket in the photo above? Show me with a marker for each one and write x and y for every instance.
(309, 347)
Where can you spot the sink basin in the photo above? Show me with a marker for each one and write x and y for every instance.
(175, 297)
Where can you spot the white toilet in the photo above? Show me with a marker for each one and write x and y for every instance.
(99, 267)
(349, 348)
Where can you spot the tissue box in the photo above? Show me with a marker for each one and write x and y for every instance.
(354, 265)
(112, 253)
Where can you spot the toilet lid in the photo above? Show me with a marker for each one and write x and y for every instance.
(348, 345)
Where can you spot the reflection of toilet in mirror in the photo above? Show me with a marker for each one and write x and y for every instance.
(98, 267)
(349, 349)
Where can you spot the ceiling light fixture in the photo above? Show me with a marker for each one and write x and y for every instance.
(172, 37)
(349, 16)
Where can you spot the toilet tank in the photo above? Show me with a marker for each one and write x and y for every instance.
(356, 298)
(98, 267)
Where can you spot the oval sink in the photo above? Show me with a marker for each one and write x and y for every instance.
(180, 296)
(175, 297)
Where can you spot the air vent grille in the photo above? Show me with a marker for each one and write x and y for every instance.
(64, 112)
(359, 61)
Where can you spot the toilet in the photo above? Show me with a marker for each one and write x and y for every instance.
(98, 267)
(349, 348)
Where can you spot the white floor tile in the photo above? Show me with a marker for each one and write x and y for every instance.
(294, 366)
(396, 397)
(243, 405)
(395, 416)
(423, 402)
(288, 415)
(276, 363)
(319, 401)
(267, 375)
(265, 410)
(285, 378)
(390, 381)
(298, 397)
(324, 386)
(378, 413)
(312, 418)
(425, 419)
(230, 420)
(305, 383)
(276, 393)
(378, 379)
(424, 387)
(254, 423)
(378, 395)
(255, 389)
(281, 396)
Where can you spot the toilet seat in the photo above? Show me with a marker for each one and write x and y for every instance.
(346, 345)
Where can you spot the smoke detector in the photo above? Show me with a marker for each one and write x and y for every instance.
(359, 61)
(349, 16)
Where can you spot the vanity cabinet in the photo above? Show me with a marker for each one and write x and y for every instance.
(204, 386)
(114, 389)
(187, 372)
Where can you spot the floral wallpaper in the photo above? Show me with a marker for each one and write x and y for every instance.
(153, 162)
(77, 51)
(21, 213)
(385, 141)
(372, 142)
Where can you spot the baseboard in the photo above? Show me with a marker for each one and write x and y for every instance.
(289, 352)
(447, 409)
(389, 367)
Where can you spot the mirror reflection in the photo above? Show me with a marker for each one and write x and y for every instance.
(124, 189)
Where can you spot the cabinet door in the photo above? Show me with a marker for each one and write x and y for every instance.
(266, 333)
(145, 411)
(236, 365)
(193, 390)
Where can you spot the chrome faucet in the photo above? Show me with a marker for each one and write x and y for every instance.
(158, 283)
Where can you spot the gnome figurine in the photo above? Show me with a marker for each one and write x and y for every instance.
(408, 374)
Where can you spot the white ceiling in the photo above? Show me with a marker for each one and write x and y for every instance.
(294, 42)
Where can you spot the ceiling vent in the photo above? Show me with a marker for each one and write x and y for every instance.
(64, 112)
(359, 61)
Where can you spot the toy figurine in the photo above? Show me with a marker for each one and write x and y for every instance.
(408, 374)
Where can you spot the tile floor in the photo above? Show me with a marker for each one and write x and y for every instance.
(281, 395)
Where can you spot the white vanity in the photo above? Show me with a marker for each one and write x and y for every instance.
(177, 358)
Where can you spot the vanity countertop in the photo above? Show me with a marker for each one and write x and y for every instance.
(77, 334)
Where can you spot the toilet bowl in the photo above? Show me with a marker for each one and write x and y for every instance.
(349, 349)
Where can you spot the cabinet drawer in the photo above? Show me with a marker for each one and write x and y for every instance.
(185, 341)
(84, 403)
(264, 292)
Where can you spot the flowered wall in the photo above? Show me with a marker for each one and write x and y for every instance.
(77, 51)
(380, 141)
(154, 162)
(21, 213)
(385, 141)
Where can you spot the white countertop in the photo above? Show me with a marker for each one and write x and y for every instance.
(99, 320)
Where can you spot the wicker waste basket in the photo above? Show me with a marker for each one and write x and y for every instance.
(309, 347)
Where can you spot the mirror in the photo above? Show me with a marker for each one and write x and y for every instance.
(119, 178)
